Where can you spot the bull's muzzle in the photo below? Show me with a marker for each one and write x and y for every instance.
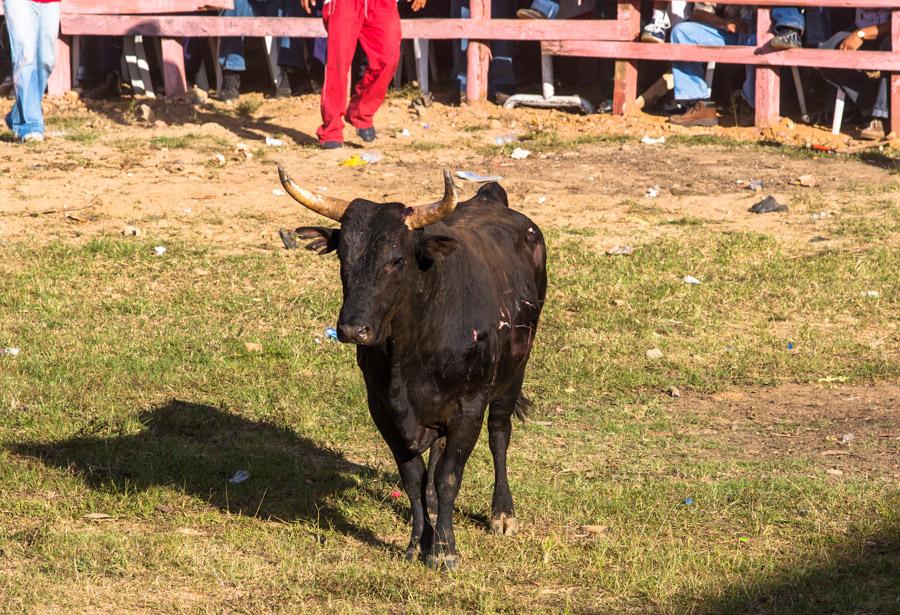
(356, 334)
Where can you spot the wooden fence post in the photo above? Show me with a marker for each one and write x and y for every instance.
(478, 56)
(625, 84)
(60, 80)
(173, 66)
(768, 80)
(895, 77)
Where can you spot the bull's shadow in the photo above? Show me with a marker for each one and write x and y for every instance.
(196, 449)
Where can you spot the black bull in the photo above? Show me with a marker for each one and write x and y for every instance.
(443, 303)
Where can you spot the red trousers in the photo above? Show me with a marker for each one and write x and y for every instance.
(376, 25)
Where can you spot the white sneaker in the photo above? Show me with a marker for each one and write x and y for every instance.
(655, 31)
(32, 136)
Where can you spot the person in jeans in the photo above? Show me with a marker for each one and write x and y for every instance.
(789, 24)
(33, 29)
(867, 90)
(714, 25)
(231, 48)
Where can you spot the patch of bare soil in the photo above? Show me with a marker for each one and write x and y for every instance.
(185, 173)
(846, 431)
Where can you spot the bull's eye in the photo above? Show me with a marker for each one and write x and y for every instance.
(397, 262)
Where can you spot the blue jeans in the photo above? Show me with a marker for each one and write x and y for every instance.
(690, 77)
(231, 49)
(787, 17)
(33, 30)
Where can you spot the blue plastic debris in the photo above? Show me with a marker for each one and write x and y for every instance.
(790, 345)
(688, 501)
(330, 333)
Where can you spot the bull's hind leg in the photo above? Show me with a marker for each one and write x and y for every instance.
(503, 518)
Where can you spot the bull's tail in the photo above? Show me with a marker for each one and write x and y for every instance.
(523, 405)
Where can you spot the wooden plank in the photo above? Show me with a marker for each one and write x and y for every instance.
(202, 26)
(823, 58)
(478, 55)
(60, 80)
(836, 4)
(145, 7)
(768, 79)
(628, 13)
(173, 66)
(895, 77)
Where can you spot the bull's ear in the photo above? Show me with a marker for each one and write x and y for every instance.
(431, 248)
(324, 240)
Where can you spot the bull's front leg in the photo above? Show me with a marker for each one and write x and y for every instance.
(412, 472)
(462, 435)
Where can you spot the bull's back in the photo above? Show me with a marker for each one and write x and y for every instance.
(501, 271)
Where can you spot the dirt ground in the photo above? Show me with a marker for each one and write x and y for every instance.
(844, 430)
(184, 171)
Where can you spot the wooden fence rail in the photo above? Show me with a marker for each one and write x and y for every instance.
(609, 38)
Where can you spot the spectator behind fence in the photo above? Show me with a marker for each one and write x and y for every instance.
(33, 28)
(375, 26)
(867, 90)
(231, 49)
(716, 25)
(501, 74)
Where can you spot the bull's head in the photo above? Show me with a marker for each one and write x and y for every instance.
(381, 246)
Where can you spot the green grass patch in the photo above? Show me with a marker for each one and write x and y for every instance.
(136, 396)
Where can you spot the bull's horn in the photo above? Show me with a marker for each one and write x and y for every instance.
(423, 215)
(328, 206)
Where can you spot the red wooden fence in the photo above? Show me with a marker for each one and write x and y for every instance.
(613, 38)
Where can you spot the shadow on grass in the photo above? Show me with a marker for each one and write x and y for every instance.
(859, 575)
(196, 449)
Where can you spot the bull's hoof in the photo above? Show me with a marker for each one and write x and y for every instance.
(412, 552)
(442, 562)
(502, 524)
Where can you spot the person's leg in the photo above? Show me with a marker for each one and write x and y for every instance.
(655, 31)
(691, 88)
(788, 17)
(231, 48)
(501, 76)
(459, 10)
(109, 51)
(343, 20)
(882, 104)
(22, 21)
(748, 92)
(290, 49)
(48, 33)
(789, 25)
(380, 40)
(690, 77)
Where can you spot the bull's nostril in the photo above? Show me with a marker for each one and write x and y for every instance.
(359, 334)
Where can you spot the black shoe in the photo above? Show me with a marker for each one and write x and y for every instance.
(107, 87)
(786, 38)
(331, 145)
(366, 134)
(231, 85)
(283, 83)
